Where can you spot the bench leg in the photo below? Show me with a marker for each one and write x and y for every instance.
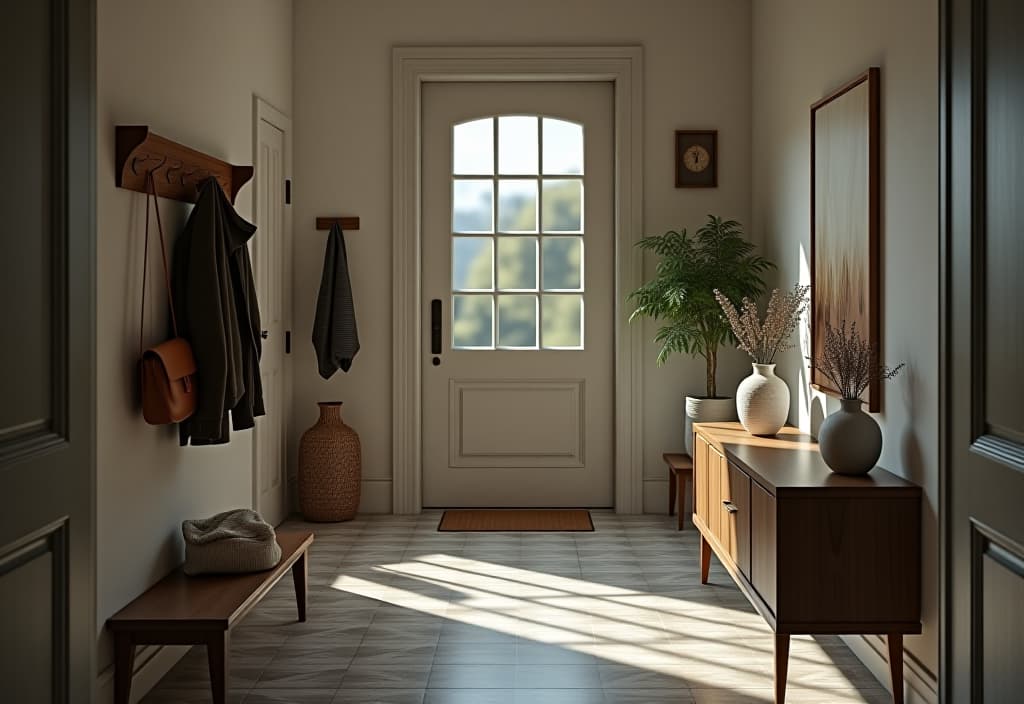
(300, 574)
(682, 500)
(217, 655)
(672, 492)
(124, 665)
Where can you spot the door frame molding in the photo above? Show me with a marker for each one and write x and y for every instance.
(265, 111)
(412, 67)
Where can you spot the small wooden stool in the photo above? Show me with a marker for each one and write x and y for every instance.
(680, 471)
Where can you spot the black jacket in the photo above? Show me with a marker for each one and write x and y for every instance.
(215, 299)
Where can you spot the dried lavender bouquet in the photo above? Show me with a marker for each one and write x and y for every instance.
(763, 340)
(850, 362)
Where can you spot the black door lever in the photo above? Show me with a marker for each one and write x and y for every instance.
(435, 326)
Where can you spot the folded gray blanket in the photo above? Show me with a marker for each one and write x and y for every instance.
(230, 542)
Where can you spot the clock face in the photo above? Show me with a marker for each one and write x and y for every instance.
(696, 158)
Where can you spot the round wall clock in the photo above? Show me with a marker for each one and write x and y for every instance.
(696, 158)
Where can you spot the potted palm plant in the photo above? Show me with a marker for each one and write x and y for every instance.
(682, 297)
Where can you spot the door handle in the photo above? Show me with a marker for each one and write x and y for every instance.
(730, 506)
(435, 326)
(264, 334)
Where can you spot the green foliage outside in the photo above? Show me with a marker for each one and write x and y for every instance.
(516, 265)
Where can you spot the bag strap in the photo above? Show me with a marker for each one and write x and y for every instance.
(151, 190)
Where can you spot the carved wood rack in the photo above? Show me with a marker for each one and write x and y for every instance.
(324, 223)
(178, 169)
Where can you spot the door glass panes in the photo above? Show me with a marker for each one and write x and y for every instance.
(473, 205)
(517, 321)
(473, 148)
(472, 268)
(517, 205)
(517, 234)
(563, 321)
(517, 263)
(563, 205)
(473, 322)
(563, 263)
(517, 145)
(563, 147)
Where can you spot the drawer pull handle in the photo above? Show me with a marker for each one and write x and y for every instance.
(730, 506)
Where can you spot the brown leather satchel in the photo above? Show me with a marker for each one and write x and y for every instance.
(166, 371)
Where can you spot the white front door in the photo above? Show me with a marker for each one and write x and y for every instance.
(518, 294)
(271, 248)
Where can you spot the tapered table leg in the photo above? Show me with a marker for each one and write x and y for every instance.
(896, 666)
(781, 666)
(217, 655)
(705, 559)
(124, 664)
(300, 574)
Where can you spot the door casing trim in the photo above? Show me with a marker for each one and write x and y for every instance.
(412, 67)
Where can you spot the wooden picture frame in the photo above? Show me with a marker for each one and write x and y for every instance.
(845, 219)
(696, 158)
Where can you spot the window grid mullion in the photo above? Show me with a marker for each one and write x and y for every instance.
(494, 234)
(540, 235)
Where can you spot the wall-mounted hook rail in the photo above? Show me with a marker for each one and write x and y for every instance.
(324, 223)
(177, 169)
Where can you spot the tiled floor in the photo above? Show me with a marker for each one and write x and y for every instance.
(402, 614)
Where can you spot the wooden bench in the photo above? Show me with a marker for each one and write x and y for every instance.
(680, 471)
(182, 610)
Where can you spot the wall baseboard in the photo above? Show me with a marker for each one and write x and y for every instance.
(921, 685)
(376, 496)
(152, 662)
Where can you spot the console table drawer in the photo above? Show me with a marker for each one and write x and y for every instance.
(763, 533)
(734, 528)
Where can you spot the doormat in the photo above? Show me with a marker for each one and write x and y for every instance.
(487, 520)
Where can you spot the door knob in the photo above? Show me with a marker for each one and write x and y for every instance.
(264, 334)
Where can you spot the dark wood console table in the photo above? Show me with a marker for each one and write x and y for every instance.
(815, 552)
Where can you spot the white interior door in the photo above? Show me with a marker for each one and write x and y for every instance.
(518, 289)
(271, 250)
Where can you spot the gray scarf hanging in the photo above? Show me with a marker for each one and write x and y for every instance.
(335, 335)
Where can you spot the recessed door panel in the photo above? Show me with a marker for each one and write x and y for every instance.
(517, 423)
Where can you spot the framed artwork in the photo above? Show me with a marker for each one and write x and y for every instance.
(845, 218)
(696, 158)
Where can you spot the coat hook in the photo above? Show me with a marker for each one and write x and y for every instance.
(147, 157)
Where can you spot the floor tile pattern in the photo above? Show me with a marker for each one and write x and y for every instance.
(402, 614)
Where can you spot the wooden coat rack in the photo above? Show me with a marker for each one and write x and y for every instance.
(324, 223)
(178, 169)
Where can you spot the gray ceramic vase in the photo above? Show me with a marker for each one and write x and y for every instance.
(849, 439)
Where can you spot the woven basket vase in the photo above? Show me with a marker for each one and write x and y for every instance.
(330, 468)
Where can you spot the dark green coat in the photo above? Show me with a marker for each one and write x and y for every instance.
(215, 300)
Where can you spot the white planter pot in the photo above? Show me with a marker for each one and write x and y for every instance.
(706, 410)
(850, 440)
(762, 401)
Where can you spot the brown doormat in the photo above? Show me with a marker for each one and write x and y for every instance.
(482, 520)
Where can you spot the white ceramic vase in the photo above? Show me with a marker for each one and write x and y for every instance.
(849, 439)
(762, 401)
(706, 410)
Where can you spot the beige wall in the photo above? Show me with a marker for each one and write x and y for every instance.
(189, 70)
(803, 49)
(697, 66)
